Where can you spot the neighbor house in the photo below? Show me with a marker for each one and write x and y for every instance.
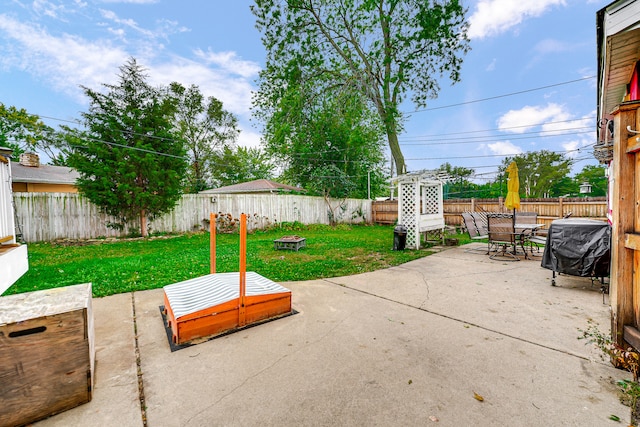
(618, 146)
(29, 176)
(13, 255)
(257, 186)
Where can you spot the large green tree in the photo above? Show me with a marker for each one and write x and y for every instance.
(385, 49)
(233, 166)
(22, 132)
(539, 171)
(130, 160)
(310, 130)
(207, 130)
(595, 176)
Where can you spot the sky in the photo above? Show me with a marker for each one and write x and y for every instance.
(528, 82)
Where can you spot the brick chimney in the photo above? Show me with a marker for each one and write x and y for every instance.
(31, 160)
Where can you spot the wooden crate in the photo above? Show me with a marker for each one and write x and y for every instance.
(46, 353)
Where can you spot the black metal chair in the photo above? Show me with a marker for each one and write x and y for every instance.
(531, 238)
(503, 238)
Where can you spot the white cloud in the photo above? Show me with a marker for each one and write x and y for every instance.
(529, 117)
(64, 61)
(249, 138)
(551, 46)
(493, 17)
(585, 141)
(52, 10)
(230, 62)
(164, 29)
(67, 61)
(504, 148)
(579, 147)
(233, 91)
(563, 125)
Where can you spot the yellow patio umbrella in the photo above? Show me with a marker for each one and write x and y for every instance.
(513, 186)
(513, 197)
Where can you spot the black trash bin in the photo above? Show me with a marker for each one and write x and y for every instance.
(399, 237)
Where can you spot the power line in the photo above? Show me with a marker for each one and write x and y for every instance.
(427, 109)
(136, 149)
(489, 155)
(534, 135)
(503, 96)
(504, 128)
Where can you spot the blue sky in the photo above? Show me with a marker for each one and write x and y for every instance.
(49, 48)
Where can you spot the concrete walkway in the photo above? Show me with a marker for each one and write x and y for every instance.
(413, 345)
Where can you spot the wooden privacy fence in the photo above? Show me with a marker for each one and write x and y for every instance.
(53, 216)
(386, 212)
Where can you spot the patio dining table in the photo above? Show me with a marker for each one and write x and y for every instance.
(521, 230)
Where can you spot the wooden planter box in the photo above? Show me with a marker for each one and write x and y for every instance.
(46, 353)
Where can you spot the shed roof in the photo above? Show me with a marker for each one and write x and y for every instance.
(46, 174)
(257, 186)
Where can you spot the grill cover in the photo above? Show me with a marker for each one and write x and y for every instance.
(578, 247)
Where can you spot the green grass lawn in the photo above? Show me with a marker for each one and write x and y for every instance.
(132, 265)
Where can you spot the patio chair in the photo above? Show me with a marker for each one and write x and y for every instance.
(473, 230)
(532, 238)
(480, 219)
(503, 238)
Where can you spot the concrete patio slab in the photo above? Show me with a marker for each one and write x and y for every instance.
(115, 399)
(411, 345)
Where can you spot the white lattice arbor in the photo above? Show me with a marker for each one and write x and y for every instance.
(420, 207)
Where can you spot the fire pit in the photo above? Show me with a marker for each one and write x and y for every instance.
(293, 243)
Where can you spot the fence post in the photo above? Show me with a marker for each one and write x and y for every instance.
(473, 204)
(561, 207)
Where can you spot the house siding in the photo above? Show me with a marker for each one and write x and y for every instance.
(621, 16)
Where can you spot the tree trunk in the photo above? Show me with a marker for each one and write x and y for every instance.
(391, 126)
(332, 216)
(396, 152)
(143, 223)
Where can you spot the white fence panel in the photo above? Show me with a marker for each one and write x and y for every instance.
(6, 210)
(53, 216)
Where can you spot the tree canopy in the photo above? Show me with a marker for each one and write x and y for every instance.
(232, 166)
(595, 176)
(311, 130)
(539, 171)
(207, 130)
(22, 132)
(130, 160)
(383, 49)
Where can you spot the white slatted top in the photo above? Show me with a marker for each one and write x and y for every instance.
(213, 289)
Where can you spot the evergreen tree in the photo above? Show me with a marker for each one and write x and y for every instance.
(131, 164)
